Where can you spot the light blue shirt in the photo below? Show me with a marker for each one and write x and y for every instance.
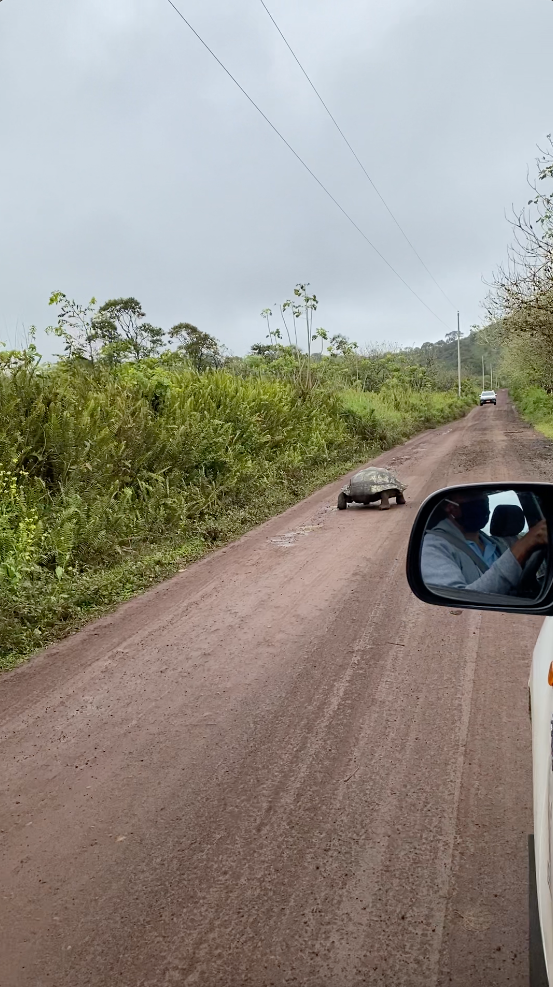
(491, 551)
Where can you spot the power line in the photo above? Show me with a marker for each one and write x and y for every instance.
(302, 162)
(359, 162)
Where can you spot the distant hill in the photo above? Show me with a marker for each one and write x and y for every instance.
(442, 355)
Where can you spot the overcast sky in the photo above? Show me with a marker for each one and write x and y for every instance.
(133, 166)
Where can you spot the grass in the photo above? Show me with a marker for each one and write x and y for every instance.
(112, 480)
(536, 406)
(51, 611)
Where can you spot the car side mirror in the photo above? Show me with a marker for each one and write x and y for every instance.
(485, 546)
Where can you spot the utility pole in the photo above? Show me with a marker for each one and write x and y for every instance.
(491, 377)
(459, 353)
(483, 377)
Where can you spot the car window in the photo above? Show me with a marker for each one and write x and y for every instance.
(504, 497)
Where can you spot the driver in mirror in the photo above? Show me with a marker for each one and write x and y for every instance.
(457, 553)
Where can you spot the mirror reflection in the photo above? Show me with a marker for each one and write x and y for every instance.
(487, 542)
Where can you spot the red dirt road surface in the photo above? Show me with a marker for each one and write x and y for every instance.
(279, 767)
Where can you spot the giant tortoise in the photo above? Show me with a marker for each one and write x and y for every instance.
(369, 485)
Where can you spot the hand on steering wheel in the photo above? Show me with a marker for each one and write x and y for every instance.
(529, 585)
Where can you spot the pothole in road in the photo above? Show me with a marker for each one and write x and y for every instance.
(476, 918)
(291, 537)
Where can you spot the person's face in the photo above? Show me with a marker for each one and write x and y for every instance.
(470, 511)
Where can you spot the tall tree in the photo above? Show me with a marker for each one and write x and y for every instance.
(120, 327)
(202, 350)
(75, 326)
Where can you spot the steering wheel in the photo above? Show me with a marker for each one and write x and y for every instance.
(529, 584)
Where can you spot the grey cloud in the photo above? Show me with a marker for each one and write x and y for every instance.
(133, 166)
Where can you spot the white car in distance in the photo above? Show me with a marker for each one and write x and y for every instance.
(488, 397)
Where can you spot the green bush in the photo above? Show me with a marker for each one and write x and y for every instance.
(111, 476)
(536, 406)
(393, 414)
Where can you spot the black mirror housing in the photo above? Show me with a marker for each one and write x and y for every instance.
(537, 499)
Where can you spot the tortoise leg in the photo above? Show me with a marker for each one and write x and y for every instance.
(384, 501)
(342, 501)
(400, 499)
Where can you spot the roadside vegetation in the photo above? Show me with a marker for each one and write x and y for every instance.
(138, 450)
(519, 307)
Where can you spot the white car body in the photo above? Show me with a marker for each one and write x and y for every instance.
(541, 704)
(488, 397)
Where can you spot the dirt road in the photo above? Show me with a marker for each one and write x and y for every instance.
(279, 767)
